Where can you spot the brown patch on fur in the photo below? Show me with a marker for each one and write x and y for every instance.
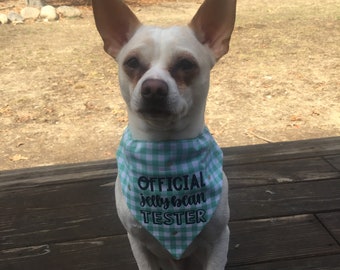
(134, 67)
(184, 69)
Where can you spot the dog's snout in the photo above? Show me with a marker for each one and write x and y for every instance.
(154, 89)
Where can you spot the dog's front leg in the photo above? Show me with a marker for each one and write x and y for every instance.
(144, 258)
(218, 256)
(216, 234)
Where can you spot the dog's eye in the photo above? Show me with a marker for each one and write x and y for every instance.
(132, 63)
(134, 67)
(184, 70)
(185, 65)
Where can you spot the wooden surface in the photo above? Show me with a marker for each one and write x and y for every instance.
(284, 198)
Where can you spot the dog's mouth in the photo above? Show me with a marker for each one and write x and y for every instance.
(161, 113)
(155, 113)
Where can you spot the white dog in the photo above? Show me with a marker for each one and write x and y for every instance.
(171, 192)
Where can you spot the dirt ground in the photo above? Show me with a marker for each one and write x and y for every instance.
(60, 100)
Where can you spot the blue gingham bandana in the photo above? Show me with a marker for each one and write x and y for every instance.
(171, 187)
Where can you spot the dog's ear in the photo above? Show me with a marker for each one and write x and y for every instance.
(214, 23)
(115, 22)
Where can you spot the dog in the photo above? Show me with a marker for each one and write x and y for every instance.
(171, 193)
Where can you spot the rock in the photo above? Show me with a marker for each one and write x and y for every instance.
(49, 13)
(30, 13)
(68, 12)
(35, 3)
(3, 18)
(15, 18)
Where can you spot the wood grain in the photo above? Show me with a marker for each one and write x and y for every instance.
(284, 198)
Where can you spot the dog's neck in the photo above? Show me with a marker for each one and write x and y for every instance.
(186, 128)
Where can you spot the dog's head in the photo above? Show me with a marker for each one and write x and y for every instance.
(164, 72)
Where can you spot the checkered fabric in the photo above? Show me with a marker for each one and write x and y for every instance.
(171, 187)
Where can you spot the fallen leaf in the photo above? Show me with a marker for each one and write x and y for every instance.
(295, 118)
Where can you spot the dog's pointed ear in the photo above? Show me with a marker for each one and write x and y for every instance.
(214, 23)
(115, 22)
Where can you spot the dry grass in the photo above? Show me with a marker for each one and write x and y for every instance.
(59, 97)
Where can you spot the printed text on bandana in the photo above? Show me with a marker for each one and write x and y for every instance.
(161, 194)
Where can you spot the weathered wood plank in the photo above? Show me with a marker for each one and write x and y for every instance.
(280, 172)
(334, 160)
(285, 199)
(233, 155)
(48, 197)
(105, 253)
(58, 213)
(330, 262)
(101, 189)
(282, 151)
(27, 173)
(251, 242)
(42, 177)
(59, 225)
(63, 217)
(54, 212)
(332, 223)
(264, 240)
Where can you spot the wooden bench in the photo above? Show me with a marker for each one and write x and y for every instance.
(284, 198)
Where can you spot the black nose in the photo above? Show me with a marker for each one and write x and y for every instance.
(154, 90)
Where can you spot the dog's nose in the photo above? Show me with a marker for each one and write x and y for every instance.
(154, 89)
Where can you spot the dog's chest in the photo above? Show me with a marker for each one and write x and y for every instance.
(172, 188)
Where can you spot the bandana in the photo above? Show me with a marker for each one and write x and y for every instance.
(171, 187)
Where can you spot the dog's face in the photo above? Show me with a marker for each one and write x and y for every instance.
(164, 72)
(164, 75)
